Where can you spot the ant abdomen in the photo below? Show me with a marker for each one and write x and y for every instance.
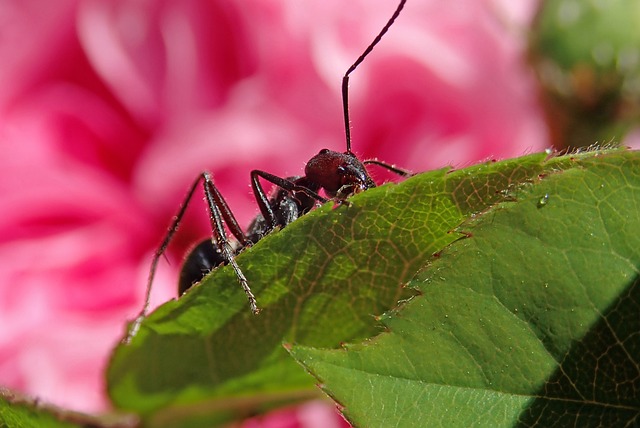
(202, 259)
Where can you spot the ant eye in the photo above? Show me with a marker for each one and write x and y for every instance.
(324, 151)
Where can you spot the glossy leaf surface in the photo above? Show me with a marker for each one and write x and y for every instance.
(533, 320)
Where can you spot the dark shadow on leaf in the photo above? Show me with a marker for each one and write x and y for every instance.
(598, 381)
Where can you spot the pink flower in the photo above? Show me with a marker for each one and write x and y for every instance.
(313, 414)
(109, 110)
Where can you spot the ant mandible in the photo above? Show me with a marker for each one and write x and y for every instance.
(340, 175)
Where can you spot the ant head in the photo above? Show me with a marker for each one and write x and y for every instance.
(339, 174)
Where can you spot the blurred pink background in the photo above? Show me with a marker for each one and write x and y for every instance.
(109, 110)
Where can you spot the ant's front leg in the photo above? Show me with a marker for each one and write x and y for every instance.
(349, 189)
(399, 171)
(291, 186)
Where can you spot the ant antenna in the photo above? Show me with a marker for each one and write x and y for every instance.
(345, 79)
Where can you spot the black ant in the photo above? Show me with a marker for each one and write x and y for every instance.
(339, 174)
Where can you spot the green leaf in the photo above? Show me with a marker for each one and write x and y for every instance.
(18, 411)
(532, 319)
(320, 282)
(21, 415)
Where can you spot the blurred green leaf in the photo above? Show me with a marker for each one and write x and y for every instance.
(532, 320)
(24, 416)
(17, 411)
(585, 54)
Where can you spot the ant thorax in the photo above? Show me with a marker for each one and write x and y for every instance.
(286, 207)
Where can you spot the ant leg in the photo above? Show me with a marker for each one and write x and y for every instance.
(156, 257)
(263, 201)
(400, 171)
(215, 201)
(219, 210)
(133, 329)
